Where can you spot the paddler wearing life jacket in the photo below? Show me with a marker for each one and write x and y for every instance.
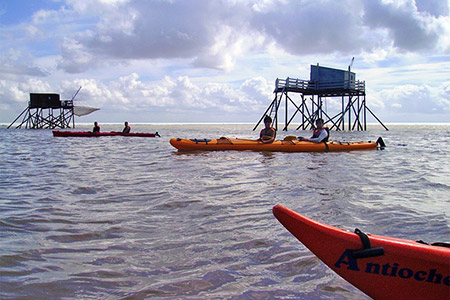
(96, 127)
(268, 133)
(127, 128)
(320, 134)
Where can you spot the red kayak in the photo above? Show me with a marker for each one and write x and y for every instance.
(382, 267)
(97, 134)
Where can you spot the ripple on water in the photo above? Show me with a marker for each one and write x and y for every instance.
(85, 191)
(116, 218)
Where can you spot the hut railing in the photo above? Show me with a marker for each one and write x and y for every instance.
(305, 85)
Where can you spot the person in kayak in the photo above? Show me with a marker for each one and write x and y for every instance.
(96, 127)
(127, 128)
(268, 133)
(320, 134)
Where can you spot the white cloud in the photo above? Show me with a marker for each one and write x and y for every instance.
(75, 58)
(214, 33)
(408, 28)
(16, 93)
(15, 64)
(417, 99)
(130, 93)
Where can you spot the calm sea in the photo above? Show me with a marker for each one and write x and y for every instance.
(132, 218)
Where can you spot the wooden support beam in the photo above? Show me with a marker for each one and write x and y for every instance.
(312, 108)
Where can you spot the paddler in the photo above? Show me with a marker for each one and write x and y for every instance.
(320, 134)
(127, 128)
(96, 127)
(268, 133)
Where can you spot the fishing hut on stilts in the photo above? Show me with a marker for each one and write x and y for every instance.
(324, 83)
(47, 111)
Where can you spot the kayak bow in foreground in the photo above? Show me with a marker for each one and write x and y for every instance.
(382, 267)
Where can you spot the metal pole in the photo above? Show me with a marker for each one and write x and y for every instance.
(350, 113)
(365, 113)
(286, 113)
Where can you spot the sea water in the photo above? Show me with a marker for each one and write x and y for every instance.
(133, 218)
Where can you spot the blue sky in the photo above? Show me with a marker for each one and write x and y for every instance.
(217, 61)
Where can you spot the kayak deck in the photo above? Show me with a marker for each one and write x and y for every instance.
(224, 144)
(382, 267)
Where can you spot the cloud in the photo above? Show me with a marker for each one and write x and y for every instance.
(213, 34)
(407, 28)
(422, 99)
(146, 30)
(305, 27)
(16, 94)
(217, 56)
(434, 7)
(257, 90)
(75, 58)
(16, 63)
(131, 93)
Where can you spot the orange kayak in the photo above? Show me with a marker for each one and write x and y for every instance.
(382, 267)
(223, 144)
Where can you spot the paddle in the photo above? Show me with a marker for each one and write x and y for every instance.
(381, 143)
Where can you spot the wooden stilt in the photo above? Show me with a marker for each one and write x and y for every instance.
(324, 83)
(46, 111)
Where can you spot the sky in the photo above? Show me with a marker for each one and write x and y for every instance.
(202, 61)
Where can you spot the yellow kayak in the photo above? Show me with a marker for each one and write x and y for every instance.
(224, 144)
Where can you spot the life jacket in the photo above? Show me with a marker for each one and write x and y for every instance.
(265, 132)
(316, 133)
